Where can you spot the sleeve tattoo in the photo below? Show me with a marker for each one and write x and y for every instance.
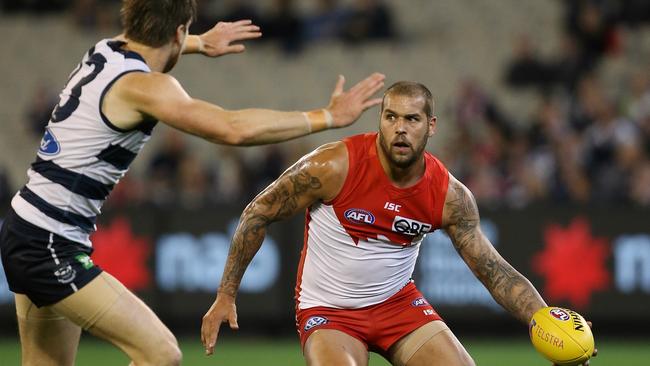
(282, 199)
(507, 286)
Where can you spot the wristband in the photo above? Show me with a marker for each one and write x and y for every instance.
(318, 120)
(201, 45)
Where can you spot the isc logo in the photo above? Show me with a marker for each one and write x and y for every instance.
(406, 226)
(359, 216)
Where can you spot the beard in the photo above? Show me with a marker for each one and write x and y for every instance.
(400, 159)
(171, 62)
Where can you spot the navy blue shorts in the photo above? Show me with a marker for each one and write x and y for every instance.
(44, 266)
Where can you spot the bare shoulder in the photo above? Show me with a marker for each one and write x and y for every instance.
(140, 95)
(328, 164)
(147, 86)
(331, 156)
(460, 205)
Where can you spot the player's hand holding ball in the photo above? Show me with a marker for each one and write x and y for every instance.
(562, 336)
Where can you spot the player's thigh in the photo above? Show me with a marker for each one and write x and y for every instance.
(431, 344)
(326, 347)
(110, 311)
(46, 337)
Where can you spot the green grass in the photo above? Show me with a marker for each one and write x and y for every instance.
(242, 352)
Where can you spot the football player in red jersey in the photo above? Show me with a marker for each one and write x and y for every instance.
(106, 114)
(370, 199)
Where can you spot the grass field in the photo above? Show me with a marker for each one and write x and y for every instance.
(244, 352)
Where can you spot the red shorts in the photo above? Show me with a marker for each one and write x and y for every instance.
(377, 326)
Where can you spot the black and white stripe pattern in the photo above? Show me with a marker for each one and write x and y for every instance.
(83, 155)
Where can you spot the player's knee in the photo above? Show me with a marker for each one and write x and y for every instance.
(166, 354)
(467, 360)
(173, 355)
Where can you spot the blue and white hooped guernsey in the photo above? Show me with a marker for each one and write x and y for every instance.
(82, 154)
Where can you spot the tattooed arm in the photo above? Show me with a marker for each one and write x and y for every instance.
(317, 176)
(507, 286)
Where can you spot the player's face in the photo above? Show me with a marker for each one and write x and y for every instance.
(404, 129)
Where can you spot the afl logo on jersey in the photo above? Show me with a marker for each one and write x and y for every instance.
(49, 144)
(359, 216)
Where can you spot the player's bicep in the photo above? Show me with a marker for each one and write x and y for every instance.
(295, 190)
(163, 98)
(316, 177)
(460, 217)
(461, 221)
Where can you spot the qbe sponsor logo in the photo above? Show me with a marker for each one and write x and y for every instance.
(427, 311)
(404, 225)
(560, 314)
(315, 321)
(359, 216)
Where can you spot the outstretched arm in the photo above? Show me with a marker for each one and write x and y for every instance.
(316, 176)
(218, 40)
(138, 95)
(507, 286)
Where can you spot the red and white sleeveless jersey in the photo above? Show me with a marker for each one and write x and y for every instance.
(361, 247)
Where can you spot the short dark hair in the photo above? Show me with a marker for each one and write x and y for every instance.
(411, 89)
(154, 22)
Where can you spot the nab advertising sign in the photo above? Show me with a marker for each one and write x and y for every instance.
(596, 262)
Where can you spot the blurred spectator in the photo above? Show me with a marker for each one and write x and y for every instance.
(262, 169)
(640, 184)
(192, 183)
(164, 167)
(205, 17)
(129, 192)
(38, 113)
(592, 24)
(285, 26)
(527, 69)
(95, 14)
(327, 23)
(584, 103)
(368, 20)
(634, 12)
(5, 189)
(227, 176)
(638, 98)
(566, 69)
(34, 6)
(240, 9)
(611, 148)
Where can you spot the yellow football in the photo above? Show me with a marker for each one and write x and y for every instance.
(561, 335)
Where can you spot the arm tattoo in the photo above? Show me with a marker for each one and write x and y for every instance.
(507, 286)
(280, 200)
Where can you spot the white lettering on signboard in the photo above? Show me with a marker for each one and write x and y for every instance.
(189, 263)
(632, 263)
(445, 279)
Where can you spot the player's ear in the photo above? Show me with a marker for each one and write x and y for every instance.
(432, 125)
(181, 33)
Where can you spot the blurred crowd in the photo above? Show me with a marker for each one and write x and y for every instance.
(586, 143)
(282, 21)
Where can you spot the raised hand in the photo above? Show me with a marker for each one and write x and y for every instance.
(223, 310)
(347, 106)
(218, 40)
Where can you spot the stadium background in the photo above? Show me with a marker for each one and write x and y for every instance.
(544, 112)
